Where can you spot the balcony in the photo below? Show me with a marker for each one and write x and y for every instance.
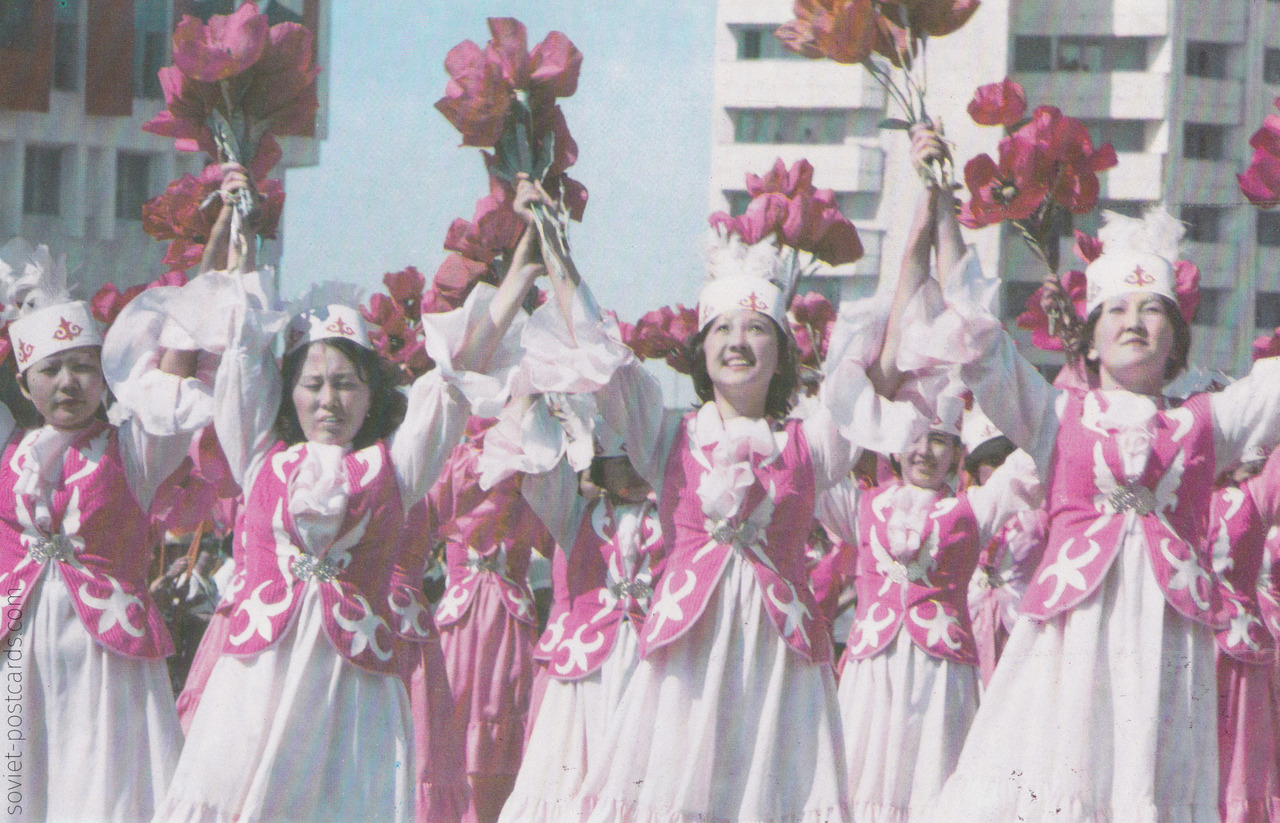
(1211, 100)
(797, 84)
(1139, 176)
(1095, 18)
(1208, 181)
(1132, 95)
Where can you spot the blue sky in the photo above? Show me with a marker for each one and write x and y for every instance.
(392, 176)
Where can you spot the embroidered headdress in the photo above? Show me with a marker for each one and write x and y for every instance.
(43, 319)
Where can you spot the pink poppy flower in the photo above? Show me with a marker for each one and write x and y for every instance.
(1067, 143)
(224, 47)
(406, 287)
(840, 30)
(1009, 190)
(998, 104)
(483, 82)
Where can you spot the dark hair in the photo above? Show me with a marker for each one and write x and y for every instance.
(782, 386)
(386, 404)
(1181, 339)
(991, 453)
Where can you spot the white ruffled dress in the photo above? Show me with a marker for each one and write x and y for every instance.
(574, 717)
(298, 732)
(906, 712)
(91, 734)
(727, 722)
(1106, 712)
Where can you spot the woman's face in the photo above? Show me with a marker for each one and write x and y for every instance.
(742, 353)
(927, 462)
(67, 388)
(1132, 342)
(331, 398)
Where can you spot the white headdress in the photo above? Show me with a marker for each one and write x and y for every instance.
(1137, 255)
(327, 311)
(44, 318)
(977, 429)
(760, 276)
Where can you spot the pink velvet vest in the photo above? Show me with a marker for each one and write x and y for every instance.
(353, 575)
(601, 585)
(768, 531)
(924, 591)
(1092, 506)
(98, 539)
(490, 536)
(1236, 537)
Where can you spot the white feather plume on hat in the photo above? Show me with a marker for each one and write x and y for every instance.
(30, 278)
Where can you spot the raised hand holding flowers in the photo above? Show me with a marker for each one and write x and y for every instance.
(881, 35)
(234, 81)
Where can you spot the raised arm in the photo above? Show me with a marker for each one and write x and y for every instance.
(884, 375)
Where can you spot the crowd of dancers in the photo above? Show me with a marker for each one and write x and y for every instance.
(1062, 609)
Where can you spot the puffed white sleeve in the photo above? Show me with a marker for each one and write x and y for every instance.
(832, 453)
(1012, 488)
(837, 511)
(966, 333)
(441, 400)
(553, 496)
(863, 416)
(234, 317)
(1247, 412)
(592, 359)
(156, 413)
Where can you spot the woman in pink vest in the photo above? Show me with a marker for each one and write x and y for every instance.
(731, 713)
(602, 579)
(487, 620)
(305, 715)
(1244, 511)
(91, 728)
(1103, 705)
(439, 729)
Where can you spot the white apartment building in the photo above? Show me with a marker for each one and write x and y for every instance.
(1176, 87)
(77, 82)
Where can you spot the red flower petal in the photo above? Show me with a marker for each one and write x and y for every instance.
(225, 47)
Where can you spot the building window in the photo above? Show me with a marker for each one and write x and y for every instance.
(738, 202)
(1032, 54)
(150, 47)
(204, 9)
(1202, 141)
(1204, 223)
(1207, 59)
(858, 205)
(66, 46)
(1091, 222)
(278, 12)
(1094, 54)
(133, 180)
(15, 24)
(42, 180)
(798, 126)
(1213, 302)
(1266, 311)
(759, 43)
(1271, 66)
(1014, 295)
(1269, 229)
(1123, 135)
